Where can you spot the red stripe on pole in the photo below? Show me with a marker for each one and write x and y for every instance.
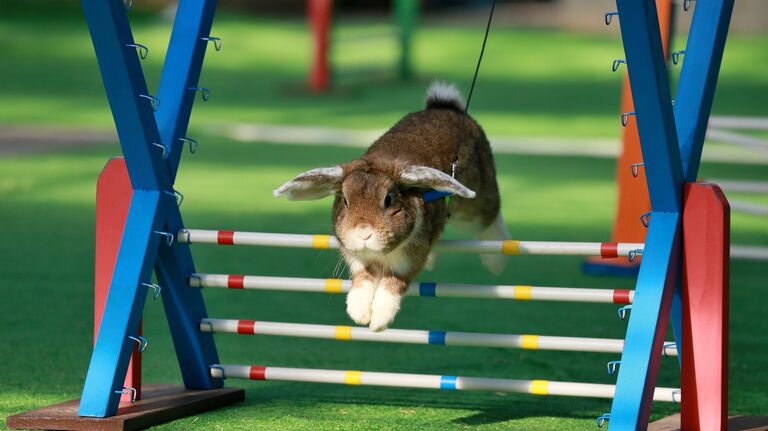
(226, 237)
(236, 281)
(621, 296)
(258, 372)
(245, 327)
(609, 249)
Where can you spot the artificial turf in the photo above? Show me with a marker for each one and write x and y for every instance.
(47, 216)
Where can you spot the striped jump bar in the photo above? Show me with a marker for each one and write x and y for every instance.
(508, 247)
(428, 381)
(334, 285)
(410, 336)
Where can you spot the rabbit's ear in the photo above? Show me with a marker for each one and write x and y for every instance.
(313, 184)
(423, 176)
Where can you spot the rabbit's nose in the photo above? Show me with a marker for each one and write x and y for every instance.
(365, 231)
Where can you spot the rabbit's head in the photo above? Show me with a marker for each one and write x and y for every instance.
(379, 204)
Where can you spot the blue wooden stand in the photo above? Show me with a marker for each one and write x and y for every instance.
(152, 142)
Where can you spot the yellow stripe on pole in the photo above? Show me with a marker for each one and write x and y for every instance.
(510, 247)
(539, 387)
(333, 285)
(523, 293)
(530, 342)
(352, 377)
(321, 241)
(344, 333)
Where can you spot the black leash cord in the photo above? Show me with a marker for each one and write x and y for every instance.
(480, 59)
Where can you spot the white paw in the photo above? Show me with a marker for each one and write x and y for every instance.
(494, 263)
(384, 309)
(359, 301)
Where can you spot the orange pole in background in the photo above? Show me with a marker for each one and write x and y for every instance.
(633, 200)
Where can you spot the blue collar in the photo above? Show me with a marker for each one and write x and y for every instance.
(433, 195)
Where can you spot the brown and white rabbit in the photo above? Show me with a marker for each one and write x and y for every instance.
(384, 226)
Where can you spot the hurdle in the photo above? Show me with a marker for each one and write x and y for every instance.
(411, 336)
(506, 247)
(688, 239)
(429, 381)
(423, 289)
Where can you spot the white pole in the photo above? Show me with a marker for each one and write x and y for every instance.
(743, 123)
(428, 381)
(749, 252)
(333, 285)
(411, 336)
(508, 247)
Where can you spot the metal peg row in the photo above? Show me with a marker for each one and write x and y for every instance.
(617, 63)
(686, 5)
(216, 42)
(209, 325)
(609, 16)
(153, 100)
(143, 50)
(192, 144)
(128, 4)
(218, 368)
(154, 287)
(675, 392)
(635, 168)
(162, 147)
(206, 94)
(612, 367)
(623, 311)
(143, 342)
(625, 118)
(176, 195)
(645, 219)
(126, 390)
(602, 419)
(168, 236)
(664, 348)
(634, 253)
(676, 56)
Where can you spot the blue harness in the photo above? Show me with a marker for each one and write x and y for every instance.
(433, 195)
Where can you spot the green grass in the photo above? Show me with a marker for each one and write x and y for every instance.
(46, 218)
(533, 83)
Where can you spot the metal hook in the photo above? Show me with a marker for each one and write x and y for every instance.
(612, 366)
(162, 147)
(219, 368)
(168, 236)
(177, 195)
(216, 42)
(616, 63)
(153, 100)
(665, 346)
(143, 50)
(676, 56)
(128, 4)
(645, 219)
(143, 342)
(192, 144)
(609, 16)
(203, 91)
(686, 5)
(634, 253)
(196, 277)
(208, 324)
(675, 392)
(634, 167)
(155, 287)
(625, 118)
(126, 390)
(602, 419)
(623, 311)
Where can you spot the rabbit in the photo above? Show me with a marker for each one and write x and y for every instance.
(384, 222)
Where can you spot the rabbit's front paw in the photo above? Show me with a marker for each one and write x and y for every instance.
(385, 306)
(359, 301)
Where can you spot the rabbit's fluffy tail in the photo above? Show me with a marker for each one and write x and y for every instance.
(442, 95)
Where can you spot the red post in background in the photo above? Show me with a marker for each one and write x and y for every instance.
(319, 13)
(704, 356)
(113, 198)
(632, 198)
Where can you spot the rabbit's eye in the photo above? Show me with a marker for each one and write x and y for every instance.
(388, 200)
(346, 204)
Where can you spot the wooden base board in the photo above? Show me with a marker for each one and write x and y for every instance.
(735, 423)
(160, 403)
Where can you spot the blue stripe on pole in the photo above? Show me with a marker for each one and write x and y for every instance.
(448, 383)
(427, 289)
(436, 337)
